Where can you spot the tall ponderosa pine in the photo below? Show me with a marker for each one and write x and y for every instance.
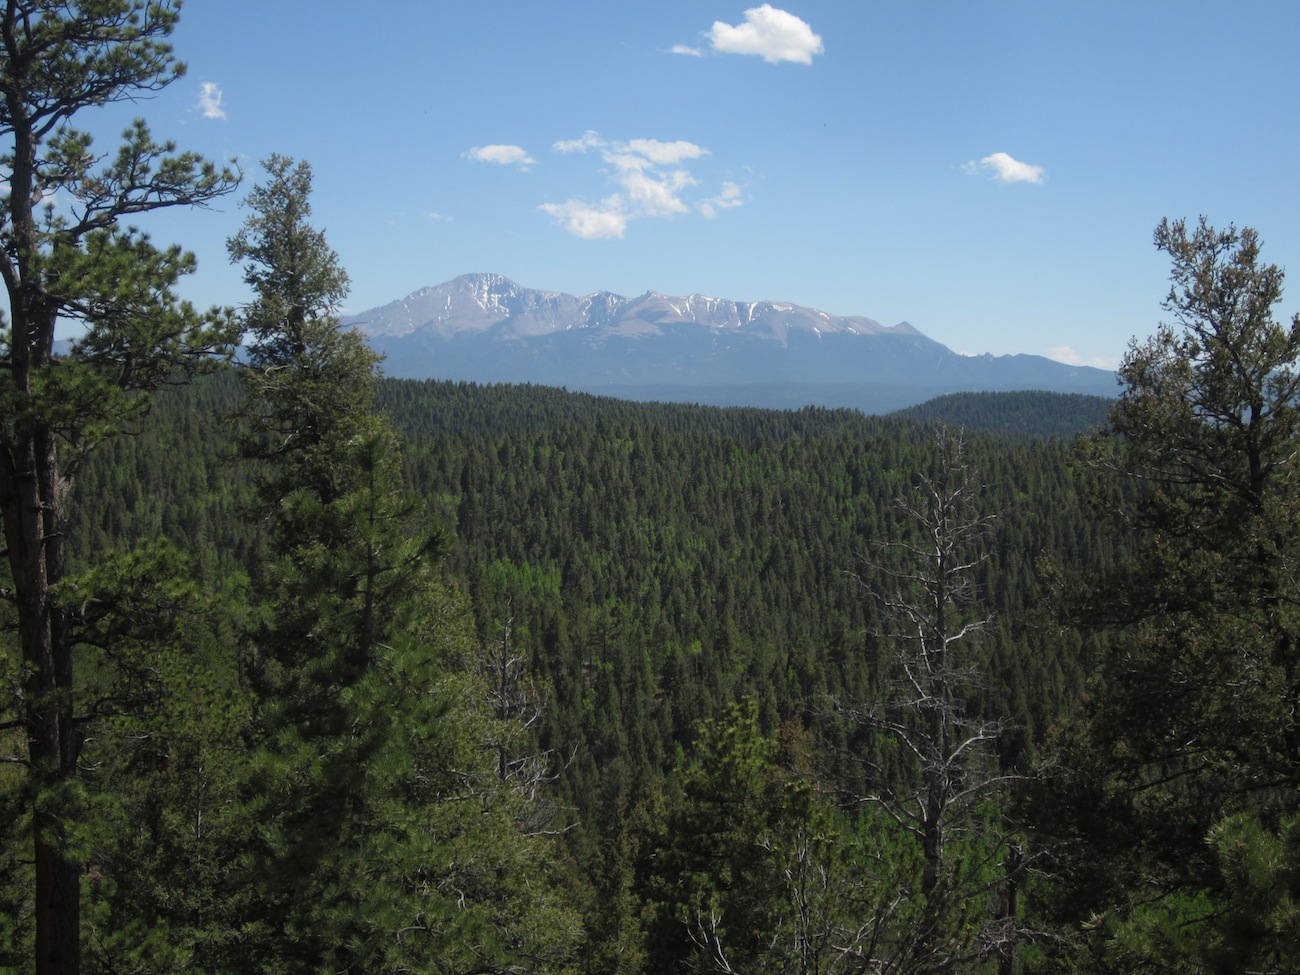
(390, 840)
(1197, 713)
(65, 256)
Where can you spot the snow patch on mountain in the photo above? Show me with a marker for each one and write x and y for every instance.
(482, 303)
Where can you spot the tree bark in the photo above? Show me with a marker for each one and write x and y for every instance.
(53, 742)
(32, 499)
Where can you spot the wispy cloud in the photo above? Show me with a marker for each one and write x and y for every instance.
(433, 216)
(690, 52)
(500, 155)
(1005, 169)
(209, 103)
(771, 34)
(588, 140)
(731, 196)
(663, 153)
(649, 178)
(1063, 353)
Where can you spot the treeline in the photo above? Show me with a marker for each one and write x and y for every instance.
(1033, 414)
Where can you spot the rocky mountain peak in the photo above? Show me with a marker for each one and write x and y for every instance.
(487, 328)
(483, 302)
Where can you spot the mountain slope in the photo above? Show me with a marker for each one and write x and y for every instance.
(485, 328)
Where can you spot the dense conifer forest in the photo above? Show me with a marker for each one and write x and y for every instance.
(652, 573)
(655, 564)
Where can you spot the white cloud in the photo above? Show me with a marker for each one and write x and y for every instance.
(209, 102)
(692, 52)
(650, 183)
(651, 194)
(1063, 353)
(769, 33)
(731, 196)
(589, 140)
(1005, 169)
(590, 222)
(666, 153)
(501, 156)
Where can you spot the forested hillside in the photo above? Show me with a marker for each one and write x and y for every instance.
(655, 563)
(648, 569)
(662, 561)
(1036, 414)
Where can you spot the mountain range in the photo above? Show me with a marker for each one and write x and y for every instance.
(486, 328)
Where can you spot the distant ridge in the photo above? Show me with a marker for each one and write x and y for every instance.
(693, 348)
(1031, 413)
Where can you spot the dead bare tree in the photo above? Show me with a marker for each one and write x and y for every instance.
(943, 806)
(517, 702)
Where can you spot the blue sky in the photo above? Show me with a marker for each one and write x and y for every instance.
(989, 171)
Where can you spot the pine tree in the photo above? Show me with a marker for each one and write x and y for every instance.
(390, 839)
(1194, 716)
(754, 868)
(65, 255)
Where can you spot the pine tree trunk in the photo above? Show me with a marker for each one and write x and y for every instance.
(58, 906)
(33, 502)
